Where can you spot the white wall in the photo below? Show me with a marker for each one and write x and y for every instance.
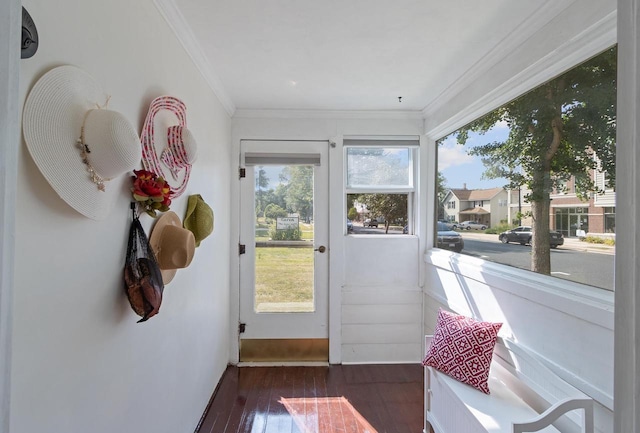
(81, 363)
(381, 300)
(373, 280)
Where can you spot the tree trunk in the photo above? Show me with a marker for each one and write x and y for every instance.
(540, 242)
(541, 189)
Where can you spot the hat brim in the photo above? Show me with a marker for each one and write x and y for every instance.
(164, 111)
(168, 218)
(52, 118)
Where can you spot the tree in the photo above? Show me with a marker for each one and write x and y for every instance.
(262, 181)
(441, 192)
(273, 211)
(352, 214)
(299, 190)
(564, 128)
(389, 206)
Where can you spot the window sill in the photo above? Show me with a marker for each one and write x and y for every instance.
(584, 302)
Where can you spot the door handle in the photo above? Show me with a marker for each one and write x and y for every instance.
(321, 249)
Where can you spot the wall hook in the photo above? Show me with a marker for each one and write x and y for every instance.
(29, 40)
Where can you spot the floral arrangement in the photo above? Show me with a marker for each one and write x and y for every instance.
(151, 192)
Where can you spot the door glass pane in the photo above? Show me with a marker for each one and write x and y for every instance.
(284, 239)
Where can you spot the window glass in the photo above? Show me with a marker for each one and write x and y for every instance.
(545, 160)
(378, 213)
(379, 167)
(380, 191)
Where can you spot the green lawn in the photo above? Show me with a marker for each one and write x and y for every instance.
(284, 275)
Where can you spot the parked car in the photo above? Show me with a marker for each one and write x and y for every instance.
(523, 235)
(449, 224)
(468, 225)
(448, 239)
(371, 222)
(349, 225)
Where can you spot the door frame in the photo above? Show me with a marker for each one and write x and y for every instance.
(336, 237)
(11, 18)
(309, 325)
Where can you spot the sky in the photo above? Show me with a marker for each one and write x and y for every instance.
(459, 168)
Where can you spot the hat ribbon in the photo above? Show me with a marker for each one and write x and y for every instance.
(175, 156)
(150, 160)
(85, 151)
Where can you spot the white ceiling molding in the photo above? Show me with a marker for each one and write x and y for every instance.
(324, 114)
(183, 32)
(587, 43)
(511, 43)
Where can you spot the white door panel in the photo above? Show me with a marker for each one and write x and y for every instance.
(284, 284)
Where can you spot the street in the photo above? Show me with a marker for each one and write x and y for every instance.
(587, 267)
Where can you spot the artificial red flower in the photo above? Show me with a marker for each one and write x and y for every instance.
(151, 191)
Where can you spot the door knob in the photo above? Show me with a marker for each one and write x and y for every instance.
(321, 249)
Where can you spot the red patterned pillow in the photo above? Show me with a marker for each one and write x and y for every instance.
(462, 347)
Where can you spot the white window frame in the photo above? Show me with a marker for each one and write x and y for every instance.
(411, 143)
(587, 303)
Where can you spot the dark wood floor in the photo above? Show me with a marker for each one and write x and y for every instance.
(346, 399)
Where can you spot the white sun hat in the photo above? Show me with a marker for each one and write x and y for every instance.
(168, 147)
(78, 146)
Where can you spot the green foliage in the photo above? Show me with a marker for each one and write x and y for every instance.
(262, 181)
(352, 214)
(391, 207)
(562, 129)
(441, 187)
(294, 193)
(284, 235)
(273, 211)
(299, 191)
(441, 192)
(497, 229)
(555, 130)
(599, 240)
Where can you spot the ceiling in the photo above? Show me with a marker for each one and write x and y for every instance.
(341, 54)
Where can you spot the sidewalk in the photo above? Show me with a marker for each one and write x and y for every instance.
(573, 244)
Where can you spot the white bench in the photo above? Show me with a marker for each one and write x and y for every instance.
(525, 397)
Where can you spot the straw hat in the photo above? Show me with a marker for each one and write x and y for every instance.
(198, 218)
(172, 245)
(77, 146)
(168, 147)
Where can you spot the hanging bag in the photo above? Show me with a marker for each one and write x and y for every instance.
(142, 278)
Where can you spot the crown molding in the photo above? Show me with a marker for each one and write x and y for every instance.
(588, 42)
(509, 44)
(183, 32)
(325, 114)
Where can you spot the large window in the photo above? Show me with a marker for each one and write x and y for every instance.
(380, 186)
(544, 162)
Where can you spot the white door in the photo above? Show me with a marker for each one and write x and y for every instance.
(284, 265)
